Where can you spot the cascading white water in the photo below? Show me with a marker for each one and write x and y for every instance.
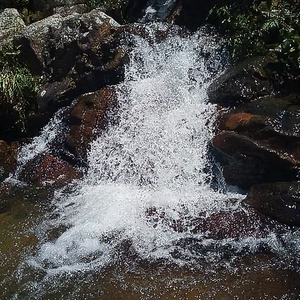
(158, 10)
(156, 158)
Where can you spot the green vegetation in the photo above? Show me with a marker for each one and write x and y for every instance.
(109, 4)
(18, 87)
(261, 27)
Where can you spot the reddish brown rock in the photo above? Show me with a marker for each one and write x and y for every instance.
(236, 224)
(88, 118)
(241, 122)
(50, 170)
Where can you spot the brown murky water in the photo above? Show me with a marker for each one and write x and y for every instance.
(259, 276)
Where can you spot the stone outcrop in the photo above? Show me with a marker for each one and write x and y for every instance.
(74, 54)
(52, 45)
(246, 162)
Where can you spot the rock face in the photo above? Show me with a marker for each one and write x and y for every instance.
(11, 24)
(258, 139)
(74, 54)
(280, 201)
(53, 44)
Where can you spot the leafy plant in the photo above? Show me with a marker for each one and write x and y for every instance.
(111, 4)
(261, 27)
(18, 87)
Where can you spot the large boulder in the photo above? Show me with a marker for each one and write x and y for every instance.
(280, 201)
(246, 161)
(53, 44)
(73, 54)
(11, 23)
(241, 83)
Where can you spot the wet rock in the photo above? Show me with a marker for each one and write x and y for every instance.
(11, 23)
(8, 160)
(236, 224)
(283, 113)
(279, 200)
(75, 54)
(241, 83)
(49, 170)
(88, 118)
(241, 122)
(58, 44)
(78, 52)
(246, 162)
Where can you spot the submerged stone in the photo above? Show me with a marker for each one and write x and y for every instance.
(49, 170)
(236, 224)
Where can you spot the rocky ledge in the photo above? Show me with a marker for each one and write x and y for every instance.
(258, 138)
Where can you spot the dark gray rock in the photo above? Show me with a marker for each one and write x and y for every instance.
(240, 84)
(246, 162)
(279, 200)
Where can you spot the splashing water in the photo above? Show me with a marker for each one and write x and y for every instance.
(150, 167)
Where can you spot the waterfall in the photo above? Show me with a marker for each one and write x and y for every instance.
(150, 174)
(158, 10)
(151, 169)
